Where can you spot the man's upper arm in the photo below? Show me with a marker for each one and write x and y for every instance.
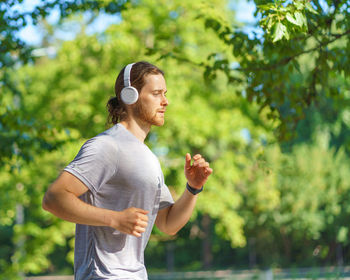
(95, 163)
(162, 219)
(68, 182)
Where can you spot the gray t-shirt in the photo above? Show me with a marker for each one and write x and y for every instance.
(120, 172)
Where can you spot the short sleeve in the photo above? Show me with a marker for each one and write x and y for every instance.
(95, 164)
(166, 199)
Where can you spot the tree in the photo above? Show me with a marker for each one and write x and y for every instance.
(301, 30)
(22, 135)
(53, 104)
(68, 93)
(295, 204)
(13, 18)
(292, 63)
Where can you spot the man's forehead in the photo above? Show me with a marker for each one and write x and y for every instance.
(154, 77)
(155, 80)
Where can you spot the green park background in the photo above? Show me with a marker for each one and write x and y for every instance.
(268, 108)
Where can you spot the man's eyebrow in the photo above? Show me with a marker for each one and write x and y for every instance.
(159, 90)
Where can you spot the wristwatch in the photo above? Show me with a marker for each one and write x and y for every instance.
(193, 190)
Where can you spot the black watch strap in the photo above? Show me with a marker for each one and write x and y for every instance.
(193, 190)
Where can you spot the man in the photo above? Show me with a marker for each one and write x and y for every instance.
(114, 189)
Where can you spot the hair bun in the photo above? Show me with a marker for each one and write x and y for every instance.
(113, 101)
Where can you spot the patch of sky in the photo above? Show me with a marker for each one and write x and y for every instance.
(323, 4)
(245, 133)
(234, 65)
(173, 14)
(259, 87)
(245, 14)
(325, 7)
(29, 32)
(33, 36)
(25, 6)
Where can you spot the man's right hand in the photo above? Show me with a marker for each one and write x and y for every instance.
(131, 221)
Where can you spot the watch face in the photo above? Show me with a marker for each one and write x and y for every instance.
(129, 95)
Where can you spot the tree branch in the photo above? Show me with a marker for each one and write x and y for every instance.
(285, 60)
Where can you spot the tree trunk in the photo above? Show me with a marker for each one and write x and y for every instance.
(207, 256)
(170, 260)
(339, 254)
(286, 245)
(252, 252)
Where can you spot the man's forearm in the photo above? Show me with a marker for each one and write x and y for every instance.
(180, 212)
(68, 207)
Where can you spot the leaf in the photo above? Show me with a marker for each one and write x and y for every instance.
(269, 23)
(296, 65)
(299, 18)
(299, 5)
(212, 23)
(342, 234)
(311, 9)
(279, 32)
(286, 34)
(267, 7)
(304, 20)
(291, 19)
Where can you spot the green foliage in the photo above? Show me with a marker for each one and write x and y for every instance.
(228, 93)
(279, 19)
(25, 135)
(13, 19)
(267, 62)
(69, 92)
(301, 206)
(32, 240)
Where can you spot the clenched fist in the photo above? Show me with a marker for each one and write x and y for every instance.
(130, 221)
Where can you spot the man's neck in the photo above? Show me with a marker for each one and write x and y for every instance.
(138, 128)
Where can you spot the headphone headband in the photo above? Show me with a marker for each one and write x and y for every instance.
(127, 72)
(129, 94)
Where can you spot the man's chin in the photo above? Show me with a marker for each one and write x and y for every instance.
(159, 123)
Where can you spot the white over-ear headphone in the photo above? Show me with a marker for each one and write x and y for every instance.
(129, 94)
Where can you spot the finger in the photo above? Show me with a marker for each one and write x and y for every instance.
(208, 170)
(142, 211)
(141, 217)
(144, 218)
(136, 233)
(188, 161)
(203, 164)
(139, 229)
(142, 224)
(198, 162)
(197, 156)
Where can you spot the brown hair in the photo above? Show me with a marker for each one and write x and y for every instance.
(116, 108)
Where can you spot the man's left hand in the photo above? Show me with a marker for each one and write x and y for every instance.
(197, 173)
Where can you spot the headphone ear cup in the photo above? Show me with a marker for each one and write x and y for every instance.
(129, 95)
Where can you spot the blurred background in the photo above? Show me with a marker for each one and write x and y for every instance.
(260, 88)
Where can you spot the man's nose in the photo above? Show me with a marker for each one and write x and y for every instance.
(165, 101)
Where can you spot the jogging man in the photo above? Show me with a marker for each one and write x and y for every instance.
(114, 188)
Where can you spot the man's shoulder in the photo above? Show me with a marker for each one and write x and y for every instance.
(103, 142)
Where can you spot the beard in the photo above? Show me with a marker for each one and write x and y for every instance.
(146, 115)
